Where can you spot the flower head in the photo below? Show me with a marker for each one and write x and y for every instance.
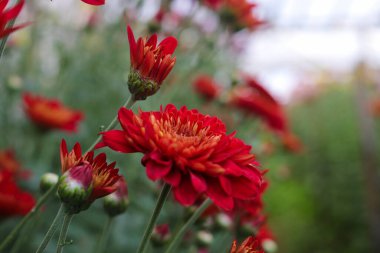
(94, 2)
(117, 202)
(103, 177)
(150, 63)
(50, 113)
(189, 151)
(205, 86)
(13, 201)
(250, 245)
(237, 14)
(254, 98)
(7, 15)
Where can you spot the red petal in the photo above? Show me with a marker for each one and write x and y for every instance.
(115, 139)
(156, 166)
(168, 45)
(198, 182)
(185, 193)
(94, 2)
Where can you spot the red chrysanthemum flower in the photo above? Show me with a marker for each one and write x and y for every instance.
(191, 152)
(50, 113)
(237, 14)
(150, 63)
(250, 245)
(104, 176)
(8, 161)
(7, 15)
(205, 86)
(254, 98)
(94, 2)
(13, 201)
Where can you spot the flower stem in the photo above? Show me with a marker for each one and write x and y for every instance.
(9, 239)
(148, 231)
(105, 233)
(62, 236)
(176, 240)
(4, 40)
(130, 102)
(53, 227)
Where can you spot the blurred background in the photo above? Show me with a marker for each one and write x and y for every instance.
(319, 60)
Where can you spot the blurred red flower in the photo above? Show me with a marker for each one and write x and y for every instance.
(205, 86)
(13, 201)
(375, 107)
(104, 176)
(250, 245)
(291, 142)
(191, 152)
(236, 13)
(94, 2)
(254, 98)
(7, 15)
(8, 162)
(50, 113)
(150, 63)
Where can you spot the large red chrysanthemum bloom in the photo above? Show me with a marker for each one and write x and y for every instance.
(191, 152)
(236, 13)
(206, 86)
(254, 98)
(250, 245)
(150, 63)
(7, 15)
(94, 2)
(50, 113)
(104, 176)
(13, 201)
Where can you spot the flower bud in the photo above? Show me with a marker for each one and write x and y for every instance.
(204, 238)
(269, 245)
(161, 234)
(117, 202)
(223, 221)
(75, 185)
(47, 181)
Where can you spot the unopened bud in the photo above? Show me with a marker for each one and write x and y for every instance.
(204, 238)
(117, 202)
(161, 235)
(75, 185)
(223, 221)
(47, 181)
(269, 245)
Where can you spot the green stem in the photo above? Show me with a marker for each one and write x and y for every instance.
(62, 236)
(176, 240)
(104, 237)
(53, 227)
(9, 239)
(4, 40)
(130, 102)
(148, 231)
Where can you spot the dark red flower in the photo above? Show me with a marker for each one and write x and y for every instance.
(50, 113)
(254, 98)
(236, 13)
(13, 201)
(205, 86)
(189, 151)
(94, 2)
(250, 245)
(104, 176)
(150, 63)
(8, 161)
(7, 15)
